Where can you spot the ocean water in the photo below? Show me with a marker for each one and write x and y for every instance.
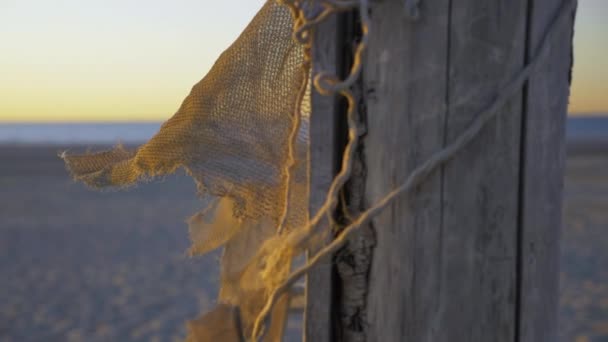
(590, 128)
(579, 128)
(77, 133)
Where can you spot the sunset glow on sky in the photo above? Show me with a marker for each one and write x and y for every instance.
(112, 60)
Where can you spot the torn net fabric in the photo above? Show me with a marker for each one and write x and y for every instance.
(231, 134)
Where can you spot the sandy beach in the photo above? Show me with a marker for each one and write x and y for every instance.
(584, 276)
(79, 265)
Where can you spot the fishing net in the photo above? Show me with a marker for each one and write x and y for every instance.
(241, 133)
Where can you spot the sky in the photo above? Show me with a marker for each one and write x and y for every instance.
(116, 60)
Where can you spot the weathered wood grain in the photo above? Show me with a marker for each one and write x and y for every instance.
(322, 168)
(406, 82)
(543, 171)
(472, 255)
(481, 185)
(445, 265)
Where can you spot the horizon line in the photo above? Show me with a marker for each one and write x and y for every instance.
(152, 121)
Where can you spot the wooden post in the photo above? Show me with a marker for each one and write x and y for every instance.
(542, 174)
(323, 158)
(472, 254)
